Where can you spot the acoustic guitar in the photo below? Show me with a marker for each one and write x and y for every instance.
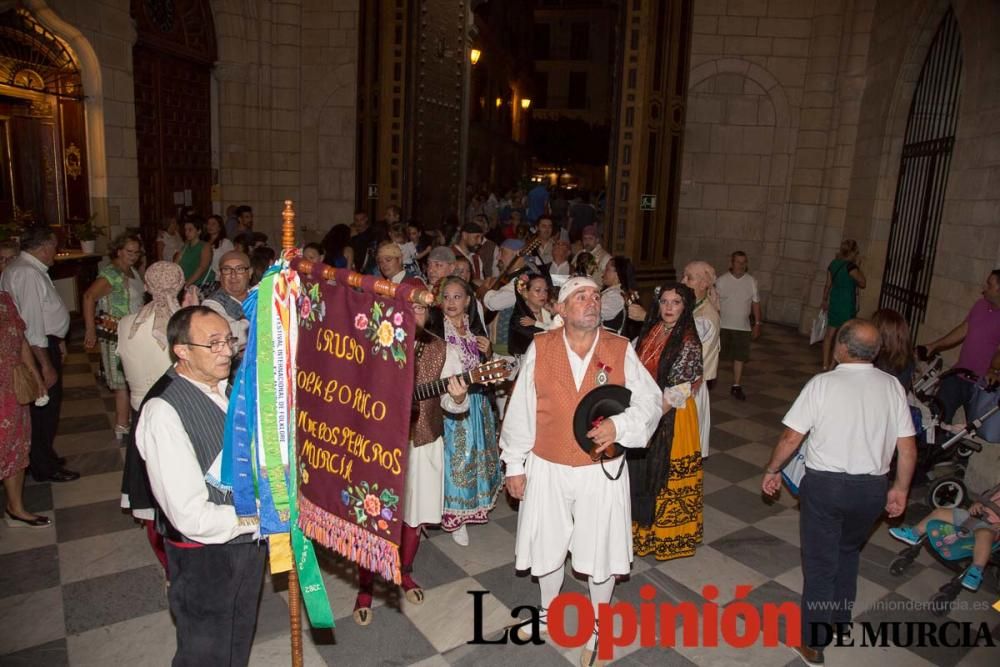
(492, 371)
(507, 275)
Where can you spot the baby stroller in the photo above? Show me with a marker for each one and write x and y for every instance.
(942, 450)
(952, 547)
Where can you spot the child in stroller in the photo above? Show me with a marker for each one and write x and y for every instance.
(944, 449)
(948, 527)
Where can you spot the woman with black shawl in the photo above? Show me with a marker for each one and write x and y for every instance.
(531, 315)
(666, 477)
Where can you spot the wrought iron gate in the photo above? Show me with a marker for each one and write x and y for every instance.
(923, 177)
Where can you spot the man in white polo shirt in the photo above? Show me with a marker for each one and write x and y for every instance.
(856, 417)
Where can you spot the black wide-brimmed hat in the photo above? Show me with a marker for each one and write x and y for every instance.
(600, 403)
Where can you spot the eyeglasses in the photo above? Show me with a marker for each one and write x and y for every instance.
(231, 270)
(217, 346)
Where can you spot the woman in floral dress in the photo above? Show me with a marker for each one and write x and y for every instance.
(117, 292)
(15, 420)
(666, 482)
(472, 478)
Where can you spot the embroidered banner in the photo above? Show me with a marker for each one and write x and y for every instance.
(354, 386)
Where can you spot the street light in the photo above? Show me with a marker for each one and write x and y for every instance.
(474, 55)
(525, 103)
(499, 102)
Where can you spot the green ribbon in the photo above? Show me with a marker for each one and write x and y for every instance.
(267, 398)
(314, 595)
(310, 580)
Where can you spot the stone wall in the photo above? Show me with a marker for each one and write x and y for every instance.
(796, 113)
(969, 242)
(287, 76)
(284, 106)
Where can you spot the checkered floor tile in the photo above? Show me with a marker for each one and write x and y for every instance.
(88, 591)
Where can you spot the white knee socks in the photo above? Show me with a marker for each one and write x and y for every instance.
(550, 584)
(600, 593)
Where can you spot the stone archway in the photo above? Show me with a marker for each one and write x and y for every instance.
(50, 65)
(738, 145)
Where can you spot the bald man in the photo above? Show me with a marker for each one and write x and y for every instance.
(227, 300)
(857, 418)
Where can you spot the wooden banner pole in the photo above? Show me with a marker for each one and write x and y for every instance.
(294, 594)
(381, 286)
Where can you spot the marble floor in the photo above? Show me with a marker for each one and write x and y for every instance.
(88, 591)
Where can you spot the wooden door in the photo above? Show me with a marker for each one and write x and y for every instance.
(172, 63)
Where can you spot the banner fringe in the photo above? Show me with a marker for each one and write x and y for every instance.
(368, 550)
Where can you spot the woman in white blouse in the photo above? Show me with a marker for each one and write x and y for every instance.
(700, 277)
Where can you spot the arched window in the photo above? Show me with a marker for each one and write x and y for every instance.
(43, 160)
(923, 177)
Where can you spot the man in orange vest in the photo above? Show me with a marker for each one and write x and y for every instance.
(569, 502)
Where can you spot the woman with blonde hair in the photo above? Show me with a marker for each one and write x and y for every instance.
(700, 277)
(843, 279)
(117, 292)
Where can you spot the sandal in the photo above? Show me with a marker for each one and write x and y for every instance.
(363, 616)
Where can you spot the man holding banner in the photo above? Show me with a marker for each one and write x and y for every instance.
(216, 567)
(570, 502)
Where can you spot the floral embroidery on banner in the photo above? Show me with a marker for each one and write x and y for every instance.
(312, 310)
(372, 507)
(385, 331)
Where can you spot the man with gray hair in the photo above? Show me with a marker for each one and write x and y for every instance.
(440, 264)
(46, 321)
(857, 418)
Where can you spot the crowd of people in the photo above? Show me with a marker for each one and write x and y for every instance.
(522, 280)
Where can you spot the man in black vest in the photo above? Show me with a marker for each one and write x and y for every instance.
(216, 567)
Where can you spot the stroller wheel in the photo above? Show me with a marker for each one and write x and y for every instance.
(899, 565)
(964, 452)
(948, 492)
(941, 603)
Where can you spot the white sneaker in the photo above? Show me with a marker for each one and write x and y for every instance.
(461, 536)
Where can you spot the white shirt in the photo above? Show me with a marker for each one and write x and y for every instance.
(612, 303)
(706, 321)
(544, 251)
(563, 269)
(735, 298)
(172, 243)
(38, 303)
(853, 414)
(176, 478)
(634, 427)
(409, 250)
(143, 360)
(501, 299)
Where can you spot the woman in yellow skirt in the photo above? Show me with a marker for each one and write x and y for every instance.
(666, 477)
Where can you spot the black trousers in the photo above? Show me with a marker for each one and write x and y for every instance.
(954, 393)
(42, 459)
(214, 593)
(837, 514)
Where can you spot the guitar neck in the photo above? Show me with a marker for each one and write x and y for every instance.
(437, 387)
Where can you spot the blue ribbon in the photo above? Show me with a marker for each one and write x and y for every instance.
(239, 461)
